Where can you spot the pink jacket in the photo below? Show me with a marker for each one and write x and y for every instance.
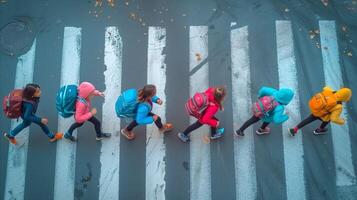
(208, 115)
(83, 108)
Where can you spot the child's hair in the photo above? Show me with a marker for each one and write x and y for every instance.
(29, 91)
(219, 94)
(147, 92)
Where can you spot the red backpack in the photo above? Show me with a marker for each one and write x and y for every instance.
(264, 106)
(195, 105)
(12, 104)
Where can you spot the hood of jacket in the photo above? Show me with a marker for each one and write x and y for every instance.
(344, 94)
(85, 89)
(284, 96)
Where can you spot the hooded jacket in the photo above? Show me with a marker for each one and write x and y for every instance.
(207, 116)
(342, 95)
(83, 104)
(283, 96)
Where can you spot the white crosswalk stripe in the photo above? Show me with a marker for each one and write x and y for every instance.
(17, 155)
(244, 156)
(293, 148)
(155, 147)
(66, 150)
(345, 174)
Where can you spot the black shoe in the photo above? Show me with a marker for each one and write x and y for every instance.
(292, 131)
(320, 131)
(70, 137)
(239, 133)
(104, 135)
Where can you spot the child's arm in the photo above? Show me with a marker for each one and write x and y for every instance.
(266, 91)
(98, 93)
(28, 114)
(142, 115)
(335, 115)
(156, 99)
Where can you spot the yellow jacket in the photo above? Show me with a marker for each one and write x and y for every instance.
(342, 95)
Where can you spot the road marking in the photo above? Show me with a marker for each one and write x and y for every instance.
(155, 147)
(110, 151)
(244, 150)
(293, 146)
(345, 174)
(66, 150)
(17, 155)
(200, 155)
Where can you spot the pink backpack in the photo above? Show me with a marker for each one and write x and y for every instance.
(195, 105)
(264, 106)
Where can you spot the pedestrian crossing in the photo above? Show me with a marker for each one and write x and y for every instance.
(246, 185)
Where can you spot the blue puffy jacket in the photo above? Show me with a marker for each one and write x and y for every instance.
(283, 96)
(142, 115)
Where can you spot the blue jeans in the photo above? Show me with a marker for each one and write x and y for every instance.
(26, 124)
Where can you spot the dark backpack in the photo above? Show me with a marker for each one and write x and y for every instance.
(12, 104)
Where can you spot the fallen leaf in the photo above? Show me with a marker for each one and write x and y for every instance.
(98, 3)
(286, 10)
(317, 31)
(111, 3)
(349, 54)
(198, 57)
(132, 16)
(325, 2)
(127, 3)
(318, 45)
(344, 28)
(183, 15)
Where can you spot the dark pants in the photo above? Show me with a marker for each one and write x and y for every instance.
(197, 125)
(26, 124)
(93, 120)
(133, 124)
(251, 121)
(310, 119)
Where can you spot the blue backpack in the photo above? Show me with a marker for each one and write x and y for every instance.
(66, 100)
(126, 104)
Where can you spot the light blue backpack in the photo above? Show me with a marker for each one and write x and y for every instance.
(66, 100)
(126, 104)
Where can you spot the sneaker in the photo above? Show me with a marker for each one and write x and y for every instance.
(130, 135)
(57, 136)
(292, 131)
(104, 135)
(184, 138)
(218, 134)
(70, 137)
(166, 128)
(263, 131)
(11, 139)
(239, 133)
(320, 131)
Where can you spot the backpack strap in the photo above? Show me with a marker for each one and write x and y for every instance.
(83, 100)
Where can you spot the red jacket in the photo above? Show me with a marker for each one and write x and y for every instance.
(207, 116)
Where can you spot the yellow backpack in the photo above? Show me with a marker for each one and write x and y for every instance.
(322, 103)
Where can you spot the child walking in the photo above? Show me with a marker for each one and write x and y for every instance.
(30, 99)
(269, 108)
(204, 107)
(84, 112)
(325, 106)
(143, 115)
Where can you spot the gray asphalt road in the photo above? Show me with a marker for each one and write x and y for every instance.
(49, 19)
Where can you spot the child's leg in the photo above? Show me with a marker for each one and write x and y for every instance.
(73, 127)
(264, 125)
(132, 125)
(249, 122)
(192, 127)
(46, 130)
(19, 128)
(306, 121)
(324, 124)
(97, 126)
(158, 122)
